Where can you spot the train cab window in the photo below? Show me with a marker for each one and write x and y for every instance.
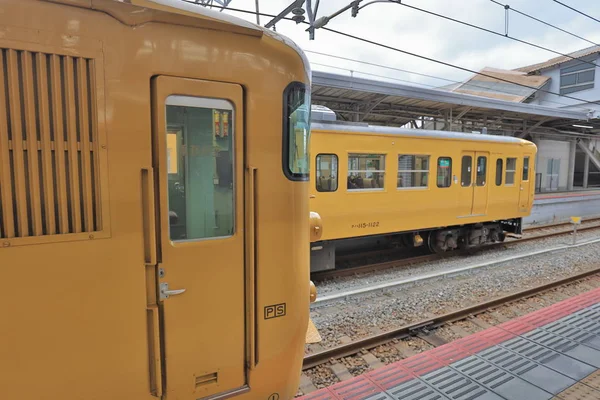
(327, 173)
(200, 168)
(296, 119)
(413, 171)
(511, 168)
(526, 169)
(444, 172)
(465, 171)
(499, 172)
(366, 171)
(481, 171)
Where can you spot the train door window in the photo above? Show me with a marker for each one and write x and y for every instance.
(413, 171)
(465, 173)
(444, 172)
(327, 173)
(366, 171)
(481, 170)
(499, 172)
(511, 168)
(200, 168)
(296, 132)
(526, 169)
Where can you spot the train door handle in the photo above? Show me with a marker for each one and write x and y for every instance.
(521, 187)
(165, 293)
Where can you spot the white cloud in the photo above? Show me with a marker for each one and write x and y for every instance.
(434, 37)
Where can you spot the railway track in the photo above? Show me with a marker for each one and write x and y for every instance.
(351, 271)
(421, 328)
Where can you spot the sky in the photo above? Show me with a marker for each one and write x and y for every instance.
(427, 35)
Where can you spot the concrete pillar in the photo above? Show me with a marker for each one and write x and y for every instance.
(571, 173)
(586, 171)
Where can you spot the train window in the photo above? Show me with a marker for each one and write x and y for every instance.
(200, 168)
(511, 167)
(465, 172)
(526, 169)
(296, 132)
(413, 171)
(366, 171)
(327, 173)
(481, 171)
(499, 172)
(444, 172)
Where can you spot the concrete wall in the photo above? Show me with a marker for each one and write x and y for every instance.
(548, 149)
(555, 210)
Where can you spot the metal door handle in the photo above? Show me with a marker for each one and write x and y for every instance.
(165, 293)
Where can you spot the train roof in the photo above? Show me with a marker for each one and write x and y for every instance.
(393, 131)
(179, 12)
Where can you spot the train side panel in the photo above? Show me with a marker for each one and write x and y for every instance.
(85, 183)
(468, 198)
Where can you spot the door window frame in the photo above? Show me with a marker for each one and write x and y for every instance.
(206, 103)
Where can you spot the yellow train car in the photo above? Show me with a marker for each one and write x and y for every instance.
(145, 250)
(374, 185)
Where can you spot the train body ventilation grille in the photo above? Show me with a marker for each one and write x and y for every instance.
(49, 180)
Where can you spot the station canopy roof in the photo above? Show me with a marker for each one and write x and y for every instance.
(393, 104)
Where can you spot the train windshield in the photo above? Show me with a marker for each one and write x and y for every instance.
(297, 131)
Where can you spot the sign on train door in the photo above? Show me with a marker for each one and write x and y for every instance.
(473, 197)
(198, 163)
(525, 185)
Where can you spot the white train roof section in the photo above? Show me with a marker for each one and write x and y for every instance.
(386, 130)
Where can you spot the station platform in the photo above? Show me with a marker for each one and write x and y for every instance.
(552, 353)
(555, 207)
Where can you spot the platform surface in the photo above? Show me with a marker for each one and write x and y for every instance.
(552, 353)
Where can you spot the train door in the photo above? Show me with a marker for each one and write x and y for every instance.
(473, 197)
(198, 162)
(465, 199)
(480, 184)
(525, 186)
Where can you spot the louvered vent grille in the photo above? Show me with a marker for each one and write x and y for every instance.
(49, 183)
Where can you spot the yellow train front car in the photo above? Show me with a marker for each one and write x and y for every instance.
(154, 230)
(392, 186)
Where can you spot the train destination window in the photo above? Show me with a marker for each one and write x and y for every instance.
(499, 172)
(413, 171)
(481, 170)
(296, 162)
(200, 168)
(366, 171)
(444, 172)
(327, 173)
(526, 169)
(511, 167)
(465, 172)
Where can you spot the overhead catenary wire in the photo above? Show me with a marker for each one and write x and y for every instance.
(508, 7)
(576, 10)
(481, 28)
(406, 52)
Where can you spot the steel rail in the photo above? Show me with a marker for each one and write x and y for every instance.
(321, 357)
(351, 271)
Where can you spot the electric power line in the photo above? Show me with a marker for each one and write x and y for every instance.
(496, 33)
(576, 10)
(447, 64)
(506, 6)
